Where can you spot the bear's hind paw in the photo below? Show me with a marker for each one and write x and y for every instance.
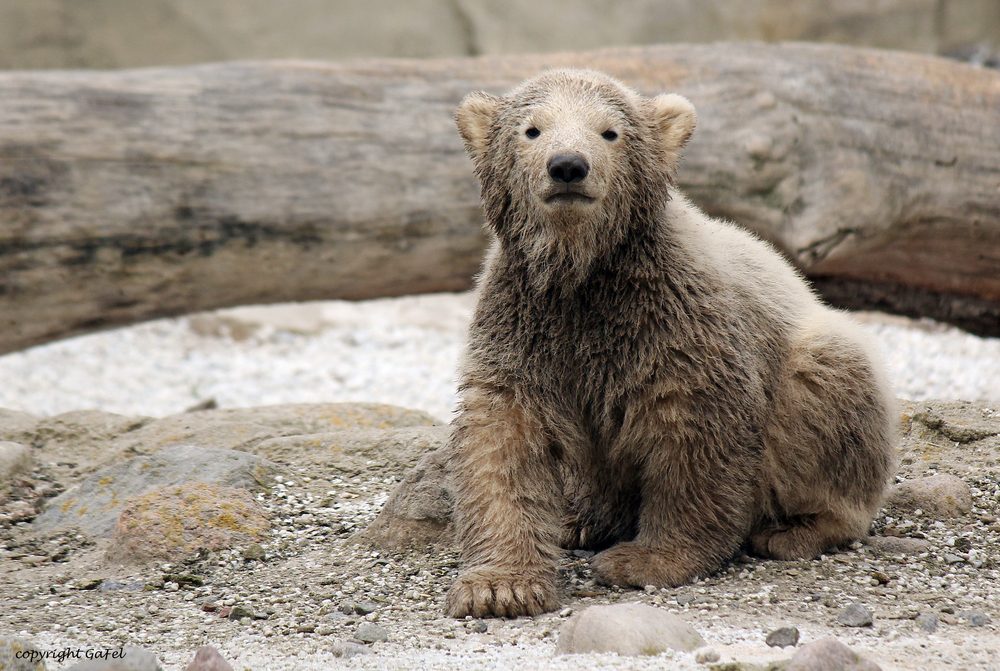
(632, 565)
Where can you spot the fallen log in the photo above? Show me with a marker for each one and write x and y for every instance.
(137, 194)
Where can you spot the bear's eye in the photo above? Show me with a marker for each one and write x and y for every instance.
(609, 135)
(532, 132)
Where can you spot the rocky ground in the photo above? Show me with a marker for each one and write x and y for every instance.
(922, 593)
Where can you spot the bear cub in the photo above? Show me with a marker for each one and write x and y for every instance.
(640, 379)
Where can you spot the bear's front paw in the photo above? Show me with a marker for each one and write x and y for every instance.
(486, 592)
(631, 565)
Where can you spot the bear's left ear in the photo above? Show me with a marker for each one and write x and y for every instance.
(474, 118)
(675, 121)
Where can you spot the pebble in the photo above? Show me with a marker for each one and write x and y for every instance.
(829, 654)
(350, 649)
(479, 627)
(706, 655)
(208, 658)
(974, 618)
(365, 607)
(254, 552)
(239, 611)
(780, 638)
(628, 629)
(370, 633)
(927, 622)
(855, 615)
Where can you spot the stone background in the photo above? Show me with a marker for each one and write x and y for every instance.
(126, 33)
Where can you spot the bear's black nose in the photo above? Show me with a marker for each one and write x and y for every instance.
(567, 169)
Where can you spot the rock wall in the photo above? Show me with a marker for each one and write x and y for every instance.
(125, 33)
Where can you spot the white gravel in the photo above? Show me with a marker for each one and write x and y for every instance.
(402, 351)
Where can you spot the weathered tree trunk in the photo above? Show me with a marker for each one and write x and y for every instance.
(137, 194)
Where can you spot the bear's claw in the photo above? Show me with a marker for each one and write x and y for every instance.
(493, 593)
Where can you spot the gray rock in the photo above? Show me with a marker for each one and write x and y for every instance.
(892, 545)
(369, 632)
(784, 637)
(959, 421)
(927, 622)
(208, 658)
(943, 495)
(479, 627)
(829, 654)
(14, 458)
(418, 512)
(12, 650)
(94, 504)
(627, 629)
(974, 618)
(365, 608)
(357, 450)
(123, 659)
(855, 615)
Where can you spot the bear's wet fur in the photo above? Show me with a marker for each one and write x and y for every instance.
(640, 379)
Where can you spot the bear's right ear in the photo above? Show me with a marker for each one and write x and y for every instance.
(474, 118)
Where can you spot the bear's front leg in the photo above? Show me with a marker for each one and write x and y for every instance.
(507, 509)
(696, 511)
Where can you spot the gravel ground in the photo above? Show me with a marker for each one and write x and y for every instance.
(315, 588)
(401, 351)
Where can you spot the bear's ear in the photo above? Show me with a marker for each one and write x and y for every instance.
(675, 120)
(474, 118)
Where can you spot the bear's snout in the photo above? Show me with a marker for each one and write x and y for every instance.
(568, 169)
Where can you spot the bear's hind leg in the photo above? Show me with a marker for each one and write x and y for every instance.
(829, 445)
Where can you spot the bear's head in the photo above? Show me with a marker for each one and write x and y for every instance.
(571, 160)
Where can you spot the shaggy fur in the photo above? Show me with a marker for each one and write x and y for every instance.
(641, 379)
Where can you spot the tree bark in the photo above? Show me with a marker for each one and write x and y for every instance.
(137, 194)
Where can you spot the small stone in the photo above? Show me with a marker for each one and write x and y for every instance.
(627, 629)
(365, 607)
(254, 552)
(684, 598)
(943, 495)
(347, 607)
(927, 621)
(350, 649)
(784, 637)
(706, 655)
(829, 654)
(239, 611)
(855, 615)
(898, 546)
(880, 578)
(953, 559)
(210, 605)
(306, 628)
(974, 618)
(208, 658)
(566, 612)
(480, 627)
(370, 633)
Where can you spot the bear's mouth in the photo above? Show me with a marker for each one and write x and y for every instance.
(567, 197)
